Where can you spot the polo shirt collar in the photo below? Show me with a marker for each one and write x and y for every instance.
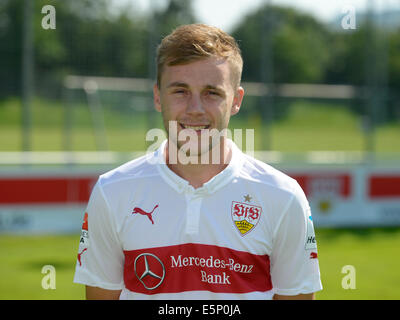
(217, 182)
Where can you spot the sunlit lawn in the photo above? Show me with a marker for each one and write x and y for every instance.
(308, 127)
(372, 252)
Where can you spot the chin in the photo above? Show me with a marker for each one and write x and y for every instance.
(207, 154)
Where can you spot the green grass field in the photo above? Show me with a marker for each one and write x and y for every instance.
(309, 126)
(374, 253)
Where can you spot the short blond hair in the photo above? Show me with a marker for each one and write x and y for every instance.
(193, 42)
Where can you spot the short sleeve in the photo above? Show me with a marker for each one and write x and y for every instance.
(100, 257)
(294, 257)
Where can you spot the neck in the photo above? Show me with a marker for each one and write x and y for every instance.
(199, 172)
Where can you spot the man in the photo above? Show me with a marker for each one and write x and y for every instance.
(182, 224)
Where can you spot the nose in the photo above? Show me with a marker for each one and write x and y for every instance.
(195, 105)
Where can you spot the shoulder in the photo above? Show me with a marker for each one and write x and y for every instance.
(258, 172)
(277, 191)
(139, 168)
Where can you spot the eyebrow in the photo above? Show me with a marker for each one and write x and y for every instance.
(185, 85)
(178, 84)
(214, 88)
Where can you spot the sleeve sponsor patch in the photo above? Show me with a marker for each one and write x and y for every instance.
(84, 240)
(311, 243)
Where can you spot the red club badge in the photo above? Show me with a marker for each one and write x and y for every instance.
(245, 216)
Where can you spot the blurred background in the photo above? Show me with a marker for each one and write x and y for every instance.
(322, 83)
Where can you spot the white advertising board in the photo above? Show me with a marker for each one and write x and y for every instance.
(40, 201)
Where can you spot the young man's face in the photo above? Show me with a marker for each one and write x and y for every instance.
(199, 96)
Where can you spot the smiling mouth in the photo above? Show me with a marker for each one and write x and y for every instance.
(194, 127)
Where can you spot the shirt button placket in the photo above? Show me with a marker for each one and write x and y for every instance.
(192, 213)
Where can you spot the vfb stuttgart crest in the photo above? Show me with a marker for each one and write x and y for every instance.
(245, 216)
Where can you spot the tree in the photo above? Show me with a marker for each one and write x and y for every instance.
(299, 43)
(89, 39)
(177, 12)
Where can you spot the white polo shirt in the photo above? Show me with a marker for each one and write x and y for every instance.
(245, 234)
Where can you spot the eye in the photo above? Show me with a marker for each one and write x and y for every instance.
(179, 91)
(213, 93)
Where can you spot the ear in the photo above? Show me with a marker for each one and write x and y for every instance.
(156, 98)
(237, 100)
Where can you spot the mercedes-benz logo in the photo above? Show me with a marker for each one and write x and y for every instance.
(147, 272)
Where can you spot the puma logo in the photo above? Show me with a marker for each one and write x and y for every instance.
(79, 256)
(148, 214)
(313, 255)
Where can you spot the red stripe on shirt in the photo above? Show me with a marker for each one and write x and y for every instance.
(190, 267)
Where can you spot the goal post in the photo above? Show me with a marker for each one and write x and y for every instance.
(121, 94)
